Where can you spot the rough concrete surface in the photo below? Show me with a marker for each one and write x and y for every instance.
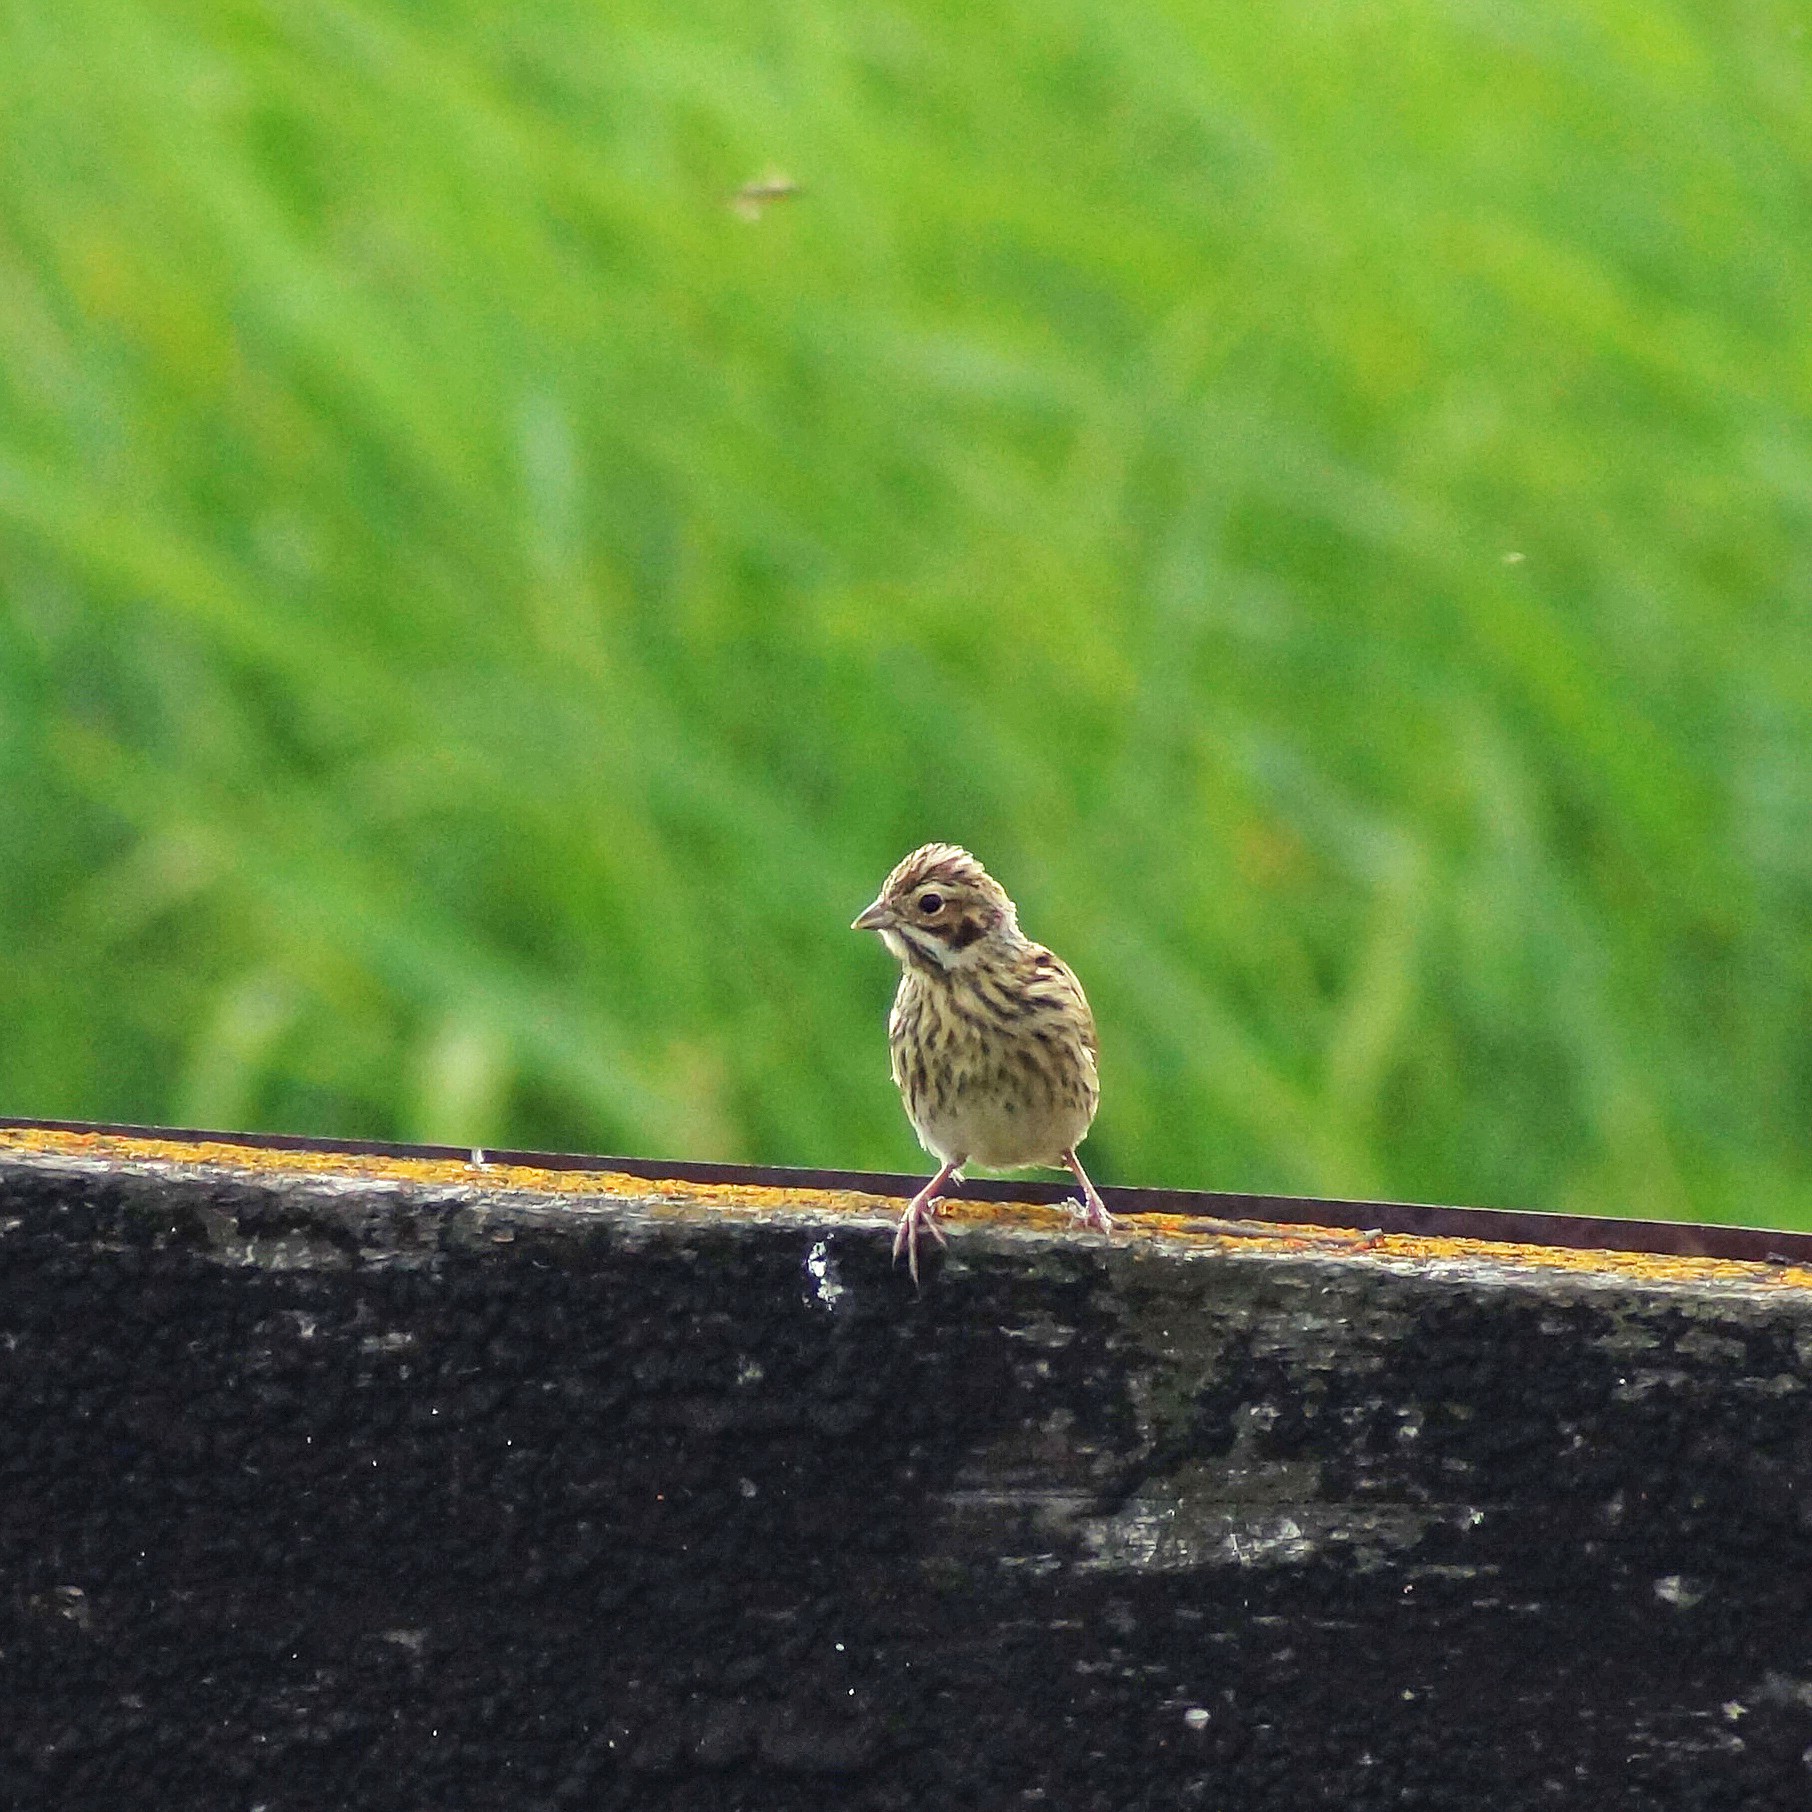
(323, 1494)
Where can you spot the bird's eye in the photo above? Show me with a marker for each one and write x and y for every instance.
(930, 903)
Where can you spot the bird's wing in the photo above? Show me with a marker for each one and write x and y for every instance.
(1053, 984)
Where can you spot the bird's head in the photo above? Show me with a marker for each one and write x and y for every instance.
(940, 908)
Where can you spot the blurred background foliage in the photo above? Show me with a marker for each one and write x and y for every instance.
(1317, 495)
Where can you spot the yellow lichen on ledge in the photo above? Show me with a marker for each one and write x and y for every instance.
(595, 1188)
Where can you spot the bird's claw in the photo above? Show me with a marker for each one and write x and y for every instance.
(1090, 1214)
(906, 1236)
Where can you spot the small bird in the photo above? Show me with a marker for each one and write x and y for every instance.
(992, 1039)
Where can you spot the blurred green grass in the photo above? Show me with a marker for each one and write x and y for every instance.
(1317, 495)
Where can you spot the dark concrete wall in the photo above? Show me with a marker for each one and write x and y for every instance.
(318, 1498)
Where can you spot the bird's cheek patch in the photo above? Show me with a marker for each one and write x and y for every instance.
(964, 933)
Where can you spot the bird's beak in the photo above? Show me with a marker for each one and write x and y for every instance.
(872, 918)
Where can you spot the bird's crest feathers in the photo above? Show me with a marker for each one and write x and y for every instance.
(949, 866)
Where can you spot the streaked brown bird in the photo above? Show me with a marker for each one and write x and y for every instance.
(992, 1038)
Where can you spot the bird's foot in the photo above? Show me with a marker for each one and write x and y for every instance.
(1090, 1211)
(920, 1215)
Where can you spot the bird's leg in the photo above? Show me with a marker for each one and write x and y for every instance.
(1093, 1210)
(919, 1213)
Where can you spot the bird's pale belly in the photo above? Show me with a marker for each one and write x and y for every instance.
(1002, 1133)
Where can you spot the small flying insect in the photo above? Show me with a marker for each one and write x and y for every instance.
(754, 199)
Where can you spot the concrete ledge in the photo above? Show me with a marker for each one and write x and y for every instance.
(350, 1479)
